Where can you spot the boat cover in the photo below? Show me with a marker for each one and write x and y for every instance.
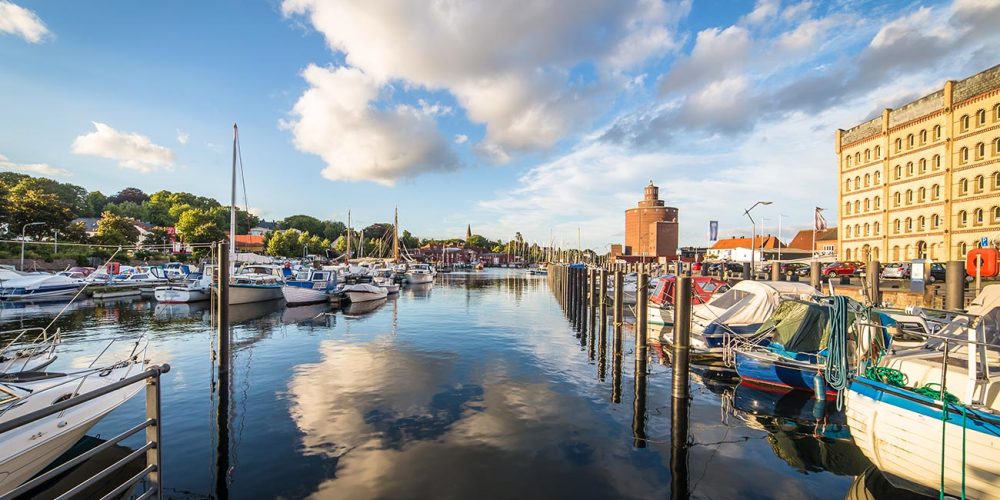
(798, 326)
(750, 302)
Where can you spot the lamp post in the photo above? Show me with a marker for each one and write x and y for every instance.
(779, 235)
(23, 228)
(56, 249)
(753, 232)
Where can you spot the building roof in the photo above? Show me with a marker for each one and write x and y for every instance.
(764, 242)
(249, 240)
(803, 239)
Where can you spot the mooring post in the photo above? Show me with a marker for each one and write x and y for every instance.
(747, 271)
(222, 308)
(224, 338)
(872, 273)
(619, 296)
(682, 332)
(603, 298)
(639, 400)
(954, 285)
(641, 306)
(679, 421)
(815, 278)
(776, 271)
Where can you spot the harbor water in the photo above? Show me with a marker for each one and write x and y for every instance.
(478, 386)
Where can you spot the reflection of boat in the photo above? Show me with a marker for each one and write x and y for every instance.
(897, 418)
(240, 313)
(362, 308)
(169, 311)
(302, 314)
(364, 292)
(873, 485)
(26, 450)
(422, 290)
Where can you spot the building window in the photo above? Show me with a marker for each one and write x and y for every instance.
(980, 151)
(897, 199)
(848, 231)
(909, 196)
(996, 180)
(963, 186)
(857, 230)
(847, 254)
(922, 195)
(963, 218)
(996, 112)
(867, 205)
(847, 208)
(935, 191)
(937, 132)
(962, 249)
(936, 162)
(921, 223)
(909, 141)
(876, 227)
(848, 162)
(899, 172)
(878, 203)
(878, 178)
(977, 217)
(899, 145)
(878, 152)
(923, 137)
(996, 215)
(868, 154)
(935, 221)
(857, 182)
(857, 206)
(963, 155)
(980, 117)
(895, 226)
(909, 169)
(847, 185)
(980, 184)
(964, 123)
(867, 228)
(923, 166)
(996, 146)
(909, 224)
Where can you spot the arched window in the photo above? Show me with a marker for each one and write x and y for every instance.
(847, 208)
(937, 132)
(878, 178)
(878, 203)
(996, 180)
(980, 184)
(868, 205)
(895, 253)
(923, 137)
(909, 141)
(964, 123)
(963, 155)
(980, 117)
(878, 152)
(921, 223)
(963, 186)
(980, 151)
(996, 215)
(857, 206)
(909, 168)
(857, 230)
(977, 217)
(897, 199)
(909, 224)
(923, 165)
(848, 230)
(899, 145)
(996, 146)
(936, 162)
(847, 184)
(935, 221)
(996, 112)
(906, 252)
(896, 225)
(857, 182)
(867, 229)
(962, 249)
(847, 254)
(876, 227)
(922, 194)
(899, 172)
(847, 161)
(875, 250)
(909, 196)
(868, 179)
(963, 218)
(868, 154)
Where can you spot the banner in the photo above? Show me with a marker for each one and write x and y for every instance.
(713, 230)
(820, 221)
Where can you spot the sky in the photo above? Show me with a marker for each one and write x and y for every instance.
(543, 118)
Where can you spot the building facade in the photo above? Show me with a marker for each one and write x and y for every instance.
(651, 227)
(923, 180)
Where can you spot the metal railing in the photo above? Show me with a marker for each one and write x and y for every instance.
(151, 448)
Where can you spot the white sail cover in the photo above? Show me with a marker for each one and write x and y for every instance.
(749, 302)
(986, 301)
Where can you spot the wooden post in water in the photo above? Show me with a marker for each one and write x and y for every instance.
(954, 285)
(639, 400)
(682, 332)
(641, 306)
(619, 296)
(224, 339)
(603, 298)
(815, 278)
(679, 449)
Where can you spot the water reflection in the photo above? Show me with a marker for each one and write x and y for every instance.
(361, 309)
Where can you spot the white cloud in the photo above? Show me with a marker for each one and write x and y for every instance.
(764, 10)
(131, 150)
(43, 169)
(507, 62)
(17, 20)
(182, 137)
(337, 119)
(461, 138)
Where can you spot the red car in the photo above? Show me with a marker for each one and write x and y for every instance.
(840, 269)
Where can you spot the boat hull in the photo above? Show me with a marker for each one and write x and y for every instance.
(246, 294)
(51, 293)
(178, 295)
(900, 432)
(660, 316)
(764, 367)
(296, 295)
(419, 278)
(359, 296)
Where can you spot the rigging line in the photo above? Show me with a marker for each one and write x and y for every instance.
(239, 154)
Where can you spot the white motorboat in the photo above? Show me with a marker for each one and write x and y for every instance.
(310, 286)
(196, 289)
(255, 283)
(26, 450)
(420, 273)
(364, 292)
(390, 287)
(32, 349)
(896, 416)
(39, 287)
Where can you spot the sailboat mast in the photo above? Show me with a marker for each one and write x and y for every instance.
(395, 237)
(232, 207)
(348, 236)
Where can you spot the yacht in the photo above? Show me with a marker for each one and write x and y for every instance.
(197, 288)
(309, 286)
(420, 273)
(39, 287)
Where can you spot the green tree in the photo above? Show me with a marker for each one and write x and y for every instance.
(128, 209)
(135, 195)
(113, 229)
(333, 229)
(95, 204)
(283, 243)
(30, 201)
(304, 223)
(199, 225)
(157, 238)
(407, 240)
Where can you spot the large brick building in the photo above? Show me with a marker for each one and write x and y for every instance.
(923, 180)
(651, 227)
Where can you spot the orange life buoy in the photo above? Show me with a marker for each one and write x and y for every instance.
(987, 258)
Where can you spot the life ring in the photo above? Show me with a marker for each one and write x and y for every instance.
(987, 258)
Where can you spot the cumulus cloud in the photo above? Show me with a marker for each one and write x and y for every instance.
(182, 137)
(461, 138)
(338, 118)
(509, 64)
(17, 20)
(32, 168)
(131, 150)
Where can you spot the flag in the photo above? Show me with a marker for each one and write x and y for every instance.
(713, 230)
(820, 221)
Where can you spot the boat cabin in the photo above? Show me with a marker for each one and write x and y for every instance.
(702, 289)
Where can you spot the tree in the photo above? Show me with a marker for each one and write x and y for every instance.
(132, 194)
(129, 209)
(479, 241)
(95, 204)
(199, 225)
(113, 229)
(157, 237)
(29, 201)
(283, 243)
(304, 223)
(407, 240)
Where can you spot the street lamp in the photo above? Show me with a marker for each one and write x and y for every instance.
(753, 233)
(23, 228)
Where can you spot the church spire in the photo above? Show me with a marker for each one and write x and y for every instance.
(468, 233)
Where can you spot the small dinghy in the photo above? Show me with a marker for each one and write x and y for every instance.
(364, 292)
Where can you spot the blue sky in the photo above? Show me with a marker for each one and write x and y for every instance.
(507, 115)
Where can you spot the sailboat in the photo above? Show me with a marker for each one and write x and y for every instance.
(248, 284)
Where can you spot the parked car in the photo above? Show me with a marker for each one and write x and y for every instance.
(937, 273)
(896, 270)
(839, 269)
(790, 267)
